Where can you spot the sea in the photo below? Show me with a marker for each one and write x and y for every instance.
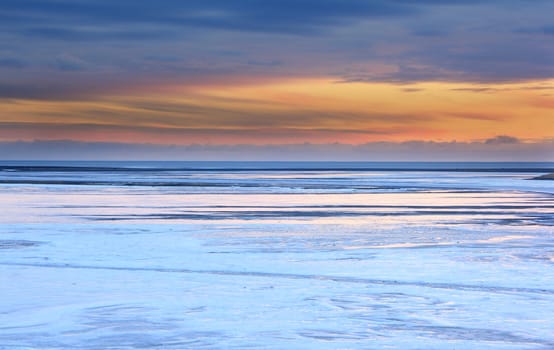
(276, 255)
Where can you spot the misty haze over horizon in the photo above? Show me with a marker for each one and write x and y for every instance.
(501, 148)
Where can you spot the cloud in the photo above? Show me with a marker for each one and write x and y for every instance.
(95, 34)
(502, 140)
(30, 91)
(66, 62)
(546, 29)
(286, 16)
(478, 89)
(269, 64)
(11, 62)
(54, 90)
(406, 74)
(103, 19)
(430, 32)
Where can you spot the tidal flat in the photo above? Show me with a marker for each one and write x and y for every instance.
(276, 256)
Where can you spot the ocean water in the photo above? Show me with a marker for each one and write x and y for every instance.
(223, 255)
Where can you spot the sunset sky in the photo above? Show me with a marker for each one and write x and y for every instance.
(278, 72)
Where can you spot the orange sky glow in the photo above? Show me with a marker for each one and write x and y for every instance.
(291, 111)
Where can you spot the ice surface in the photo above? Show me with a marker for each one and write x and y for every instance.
(276, 260)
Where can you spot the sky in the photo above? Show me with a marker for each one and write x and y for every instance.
(239, 75)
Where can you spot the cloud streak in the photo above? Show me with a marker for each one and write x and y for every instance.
(288, 112)
(284, 16)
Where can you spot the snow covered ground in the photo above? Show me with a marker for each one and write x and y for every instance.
(357, 259)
